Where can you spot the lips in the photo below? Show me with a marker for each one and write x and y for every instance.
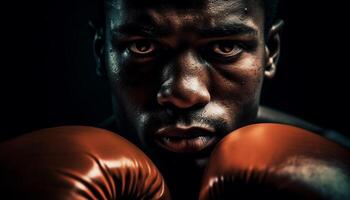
(185, 139)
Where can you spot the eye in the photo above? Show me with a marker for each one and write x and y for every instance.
(226, 49)
(142, 47)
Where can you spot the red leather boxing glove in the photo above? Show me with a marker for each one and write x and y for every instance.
(275, 161)
(76, 162)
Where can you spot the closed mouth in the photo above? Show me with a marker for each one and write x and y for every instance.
(185, 139)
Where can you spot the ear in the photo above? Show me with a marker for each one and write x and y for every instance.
(98, 48)
(272, 49)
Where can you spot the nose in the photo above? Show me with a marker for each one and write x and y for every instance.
(186, 81)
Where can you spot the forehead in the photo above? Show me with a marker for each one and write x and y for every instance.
(184, 13)
(178, 3)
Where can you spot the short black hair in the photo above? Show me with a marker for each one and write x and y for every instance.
(270, 9)
(269, 6)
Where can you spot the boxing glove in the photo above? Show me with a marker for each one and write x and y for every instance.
(276, 161)
(76, 162)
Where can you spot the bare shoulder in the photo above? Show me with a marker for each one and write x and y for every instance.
(266, 114)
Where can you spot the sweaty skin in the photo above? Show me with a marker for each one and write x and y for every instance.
(183, 74)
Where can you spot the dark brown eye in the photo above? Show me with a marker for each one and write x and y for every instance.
(226, 49)
(142, 47)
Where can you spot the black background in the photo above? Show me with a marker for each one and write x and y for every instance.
(48, 73)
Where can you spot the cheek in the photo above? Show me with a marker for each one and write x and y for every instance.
(252, 79)
(240, 90)
(112, 69)
(240, 82)
(135, 98)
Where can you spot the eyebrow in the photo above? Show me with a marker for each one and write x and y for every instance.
(227, 30)
(206, 32)
(143, 30)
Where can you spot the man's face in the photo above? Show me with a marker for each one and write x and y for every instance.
(184, 73)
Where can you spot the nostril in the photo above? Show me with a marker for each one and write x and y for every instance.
(184, 92)
(163, 96)
(183, 99)
(174, 111)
